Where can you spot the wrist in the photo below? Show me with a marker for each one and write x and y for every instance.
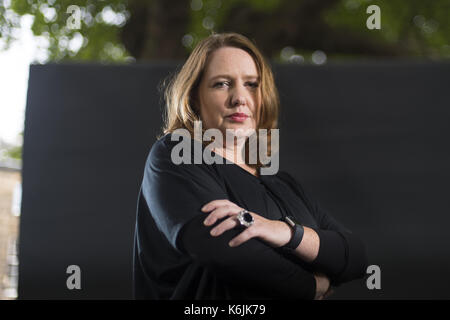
(288, 233)
(296, 234)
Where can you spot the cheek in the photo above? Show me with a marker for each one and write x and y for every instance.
(213, 109)
(216, 105)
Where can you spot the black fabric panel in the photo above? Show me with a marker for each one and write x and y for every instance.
(369, 141)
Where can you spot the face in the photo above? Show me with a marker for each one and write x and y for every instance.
(229, 92)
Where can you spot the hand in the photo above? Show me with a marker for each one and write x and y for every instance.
(275, 233)
(328, 293)
(323, 289)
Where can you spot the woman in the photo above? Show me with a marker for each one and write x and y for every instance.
(225, 231)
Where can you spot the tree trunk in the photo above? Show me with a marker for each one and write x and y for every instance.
(155, 29)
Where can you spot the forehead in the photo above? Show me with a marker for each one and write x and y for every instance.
(229, 60)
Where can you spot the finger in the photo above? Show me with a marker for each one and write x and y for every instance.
(244, 236)
(220, 213)
(228, 224)
(216, 203)
(328, 293)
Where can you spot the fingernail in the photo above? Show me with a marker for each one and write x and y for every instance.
(231, 243)
(206, 222)
(213, 232)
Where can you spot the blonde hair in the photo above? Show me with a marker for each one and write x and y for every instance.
(181, 91)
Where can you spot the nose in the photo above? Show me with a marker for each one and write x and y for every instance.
(237, 101)
(238, 97)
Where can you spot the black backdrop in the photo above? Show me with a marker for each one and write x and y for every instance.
(369, 140)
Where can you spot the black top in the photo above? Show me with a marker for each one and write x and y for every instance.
(175, 257)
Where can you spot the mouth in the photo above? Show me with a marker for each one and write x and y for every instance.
(238, 117)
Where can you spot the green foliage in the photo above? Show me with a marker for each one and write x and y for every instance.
(15, 153)
(97, 38)
(214, 13)
(419, 28)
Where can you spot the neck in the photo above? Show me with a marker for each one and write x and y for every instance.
(235, 153)
(233, 150)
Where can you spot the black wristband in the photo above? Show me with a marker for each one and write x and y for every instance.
(297, 234)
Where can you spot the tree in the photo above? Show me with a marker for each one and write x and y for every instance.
(11, 151)
(121, 30)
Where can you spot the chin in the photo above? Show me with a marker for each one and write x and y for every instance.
(240, 130)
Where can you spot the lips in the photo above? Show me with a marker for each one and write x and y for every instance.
(238, 116)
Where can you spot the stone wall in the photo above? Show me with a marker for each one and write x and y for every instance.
(10, 188)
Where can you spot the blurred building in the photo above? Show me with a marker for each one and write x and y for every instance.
(10, 199)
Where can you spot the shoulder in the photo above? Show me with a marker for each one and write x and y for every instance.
(161, 146)
(158, 154)
(165, 144)
(164, 157)
(161, 150)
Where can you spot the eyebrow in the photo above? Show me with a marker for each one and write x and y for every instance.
(229, 77)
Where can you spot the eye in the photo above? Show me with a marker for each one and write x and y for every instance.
(254, 84)
(219, 84)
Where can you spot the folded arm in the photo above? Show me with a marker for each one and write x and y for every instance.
(253, 264)
(330, 248)
(175, 195)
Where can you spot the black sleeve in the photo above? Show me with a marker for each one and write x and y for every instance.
(253, 264)
(342, 255)
(175, 195)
